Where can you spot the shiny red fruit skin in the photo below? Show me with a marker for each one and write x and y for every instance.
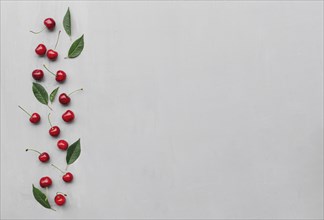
(59, 200)
(64, 99)
(54, 131)
(49, 23)
(40, 50)
(52, 54)
(62, 144)
(60, 76)
(68, 116)
(45, 182)
(68, 177)
(34, 118)
(38, 74)
(44, 157)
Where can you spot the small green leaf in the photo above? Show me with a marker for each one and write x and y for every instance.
(53, 94)
(40, 93)
(41, 197)
(76, 48)
(67, 22)
(73, 152)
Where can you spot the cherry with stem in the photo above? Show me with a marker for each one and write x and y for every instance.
(54, 131)
(67, 176)
(65, 99)
(43, 157)
(34, 118)
(60, 75)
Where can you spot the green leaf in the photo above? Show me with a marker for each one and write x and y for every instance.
(53, 94)
(76, 48)
(40, 93)
(41, 197)
(67, 22)
(73, 152)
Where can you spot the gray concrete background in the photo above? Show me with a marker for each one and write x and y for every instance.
(190, 110)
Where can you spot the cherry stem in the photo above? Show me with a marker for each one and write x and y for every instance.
(48, 70)
(57, 168)
(37, 32)
(61, 193)
(58, 37)
(75, 91)
(49, 119)
(33, 150)
(24, 110)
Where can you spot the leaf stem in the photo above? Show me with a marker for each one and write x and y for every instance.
(49, 119)
(53, 209)
(57, 168)
(58, 37)
(67, 166)
(37, 32)
(75, 91)
(49, 107)
(33, 150)
(24, 110)
(48, 70)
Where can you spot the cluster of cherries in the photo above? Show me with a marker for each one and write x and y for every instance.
(68, 116)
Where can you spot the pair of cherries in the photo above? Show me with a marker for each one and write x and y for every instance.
(38, 74)
(51, 54)
(67, 116)
(46, 182)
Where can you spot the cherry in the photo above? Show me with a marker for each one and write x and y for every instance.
(54, 131)
(68, 116)
(49, 24)
(64, 99)
(62, 144)
(60, 75)
(67, 177)
(45, 182)
(40, 50)
(38, 74)
(43, 157)
(60, 199)
(34, 118)
(52, 54)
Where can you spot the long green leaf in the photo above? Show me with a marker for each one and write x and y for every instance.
(76, 48)
(67, 22)
(41, 197)
(53, 94)
(73, 152)
(40, 93)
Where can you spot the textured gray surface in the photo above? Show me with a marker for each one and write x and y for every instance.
(190, 110)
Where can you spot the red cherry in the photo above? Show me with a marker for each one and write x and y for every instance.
(52, 54)
(68, 177)
(54, 131)
(44, 157)
(64, 99)
(49, 23)
(45, 182)
(40, 50)
(60, 76)
(62, 144)
(68, 116)
(34, 118)
(60, 199)
(38, 74)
